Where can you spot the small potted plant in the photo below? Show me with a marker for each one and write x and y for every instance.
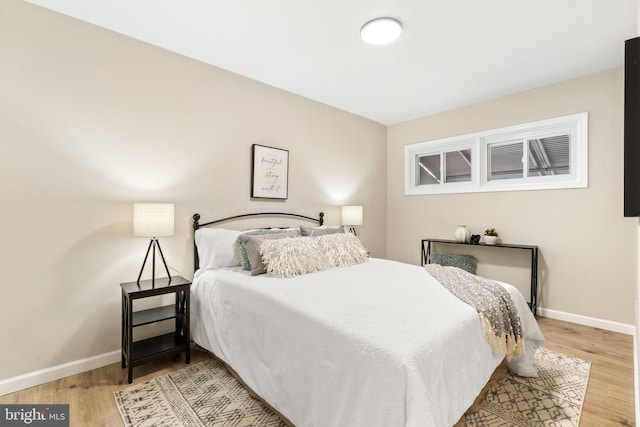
(490, 236)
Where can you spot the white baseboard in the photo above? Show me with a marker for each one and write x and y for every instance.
(594, 322)
(53, 373)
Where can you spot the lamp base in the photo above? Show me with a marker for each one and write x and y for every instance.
(156, 244)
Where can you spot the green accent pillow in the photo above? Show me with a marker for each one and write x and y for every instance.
(465, 262)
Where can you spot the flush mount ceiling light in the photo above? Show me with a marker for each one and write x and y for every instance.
(381, 31)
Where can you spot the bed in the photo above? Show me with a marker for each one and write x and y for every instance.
(375, 343)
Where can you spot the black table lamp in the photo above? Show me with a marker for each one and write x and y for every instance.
(153, 220)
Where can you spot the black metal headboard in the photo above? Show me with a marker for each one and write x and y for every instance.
(197, 225)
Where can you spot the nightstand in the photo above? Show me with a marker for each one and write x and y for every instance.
(137, 352)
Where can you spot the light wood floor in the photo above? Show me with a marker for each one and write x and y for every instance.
(609, 400)
(610, 393)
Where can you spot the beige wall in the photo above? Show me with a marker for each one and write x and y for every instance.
(90, 122)
(588, 248)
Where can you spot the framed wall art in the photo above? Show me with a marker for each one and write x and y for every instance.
(269, 172)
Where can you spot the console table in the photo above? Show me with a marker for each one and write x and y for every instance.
(426, 255)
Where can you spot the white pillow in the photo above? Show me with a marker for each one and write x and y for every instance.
(217, 247)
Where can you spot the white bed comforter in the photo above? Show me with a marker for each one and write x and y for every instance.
(375, 344)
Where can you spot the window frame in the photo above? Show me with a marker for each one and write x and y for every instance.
(575, 124)
(415, 151)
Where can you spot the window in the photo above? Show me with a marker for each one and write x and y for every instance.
(533, 156)
(505, 160)
(448, 166)
(549, 156)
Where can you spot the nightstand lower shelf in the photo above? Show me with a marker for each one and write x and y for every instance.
(155, 346)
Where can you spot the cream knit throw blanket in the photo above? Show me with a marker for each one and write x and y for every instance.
(498, 315)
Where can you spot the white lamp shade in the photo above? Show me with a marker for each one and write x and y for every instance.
(352, 215)
(152, 219)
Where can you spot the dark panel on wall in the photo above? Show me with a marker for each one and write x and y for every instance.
(632, 128)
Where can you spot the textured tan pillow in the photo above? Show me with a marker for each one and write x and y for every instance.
(293, 256)
(342, 249)
(252, 243)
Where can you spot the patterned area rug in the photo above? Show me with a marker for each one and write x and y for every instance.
(553, 399)
(202, 394)
(206, 394)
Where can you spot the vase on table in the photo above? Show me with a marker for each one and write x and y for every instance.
(462, 234)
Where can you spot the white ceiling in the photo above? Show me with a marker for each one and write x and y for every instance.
(452, 52)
